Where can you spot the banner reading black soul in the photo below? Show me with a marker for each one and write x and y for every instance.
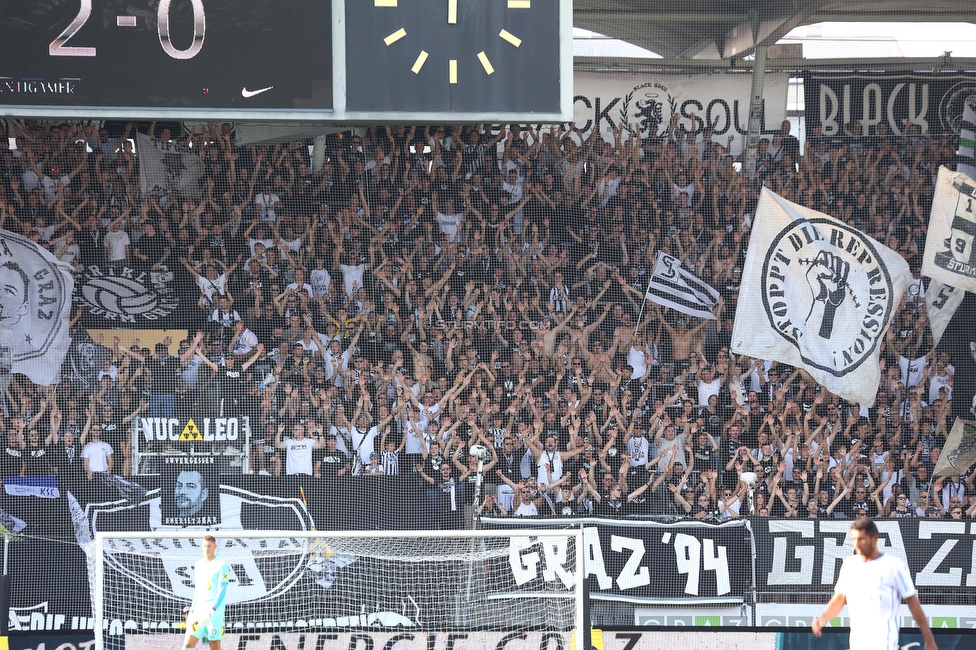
(795, 553)
(649, 562)
(855, 105)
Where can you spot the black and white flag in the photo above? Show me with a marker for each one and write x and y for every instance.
(950, 247)
(959, 452)
(84, 361)
(674, 286)
(818, 294)
(966, 162)
(168, 168)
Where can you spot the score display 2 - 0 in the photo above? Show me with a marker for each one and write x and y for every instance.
(59, 46)
(221, 55)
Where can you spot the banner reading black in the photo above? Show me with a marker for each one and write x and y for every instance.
(649, 562)
(855, 105)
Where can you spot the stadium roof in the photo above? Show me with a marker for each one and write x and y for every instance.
(717, 33)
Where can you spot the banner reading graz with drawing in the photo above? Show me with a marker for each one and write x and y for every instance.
(648, 562)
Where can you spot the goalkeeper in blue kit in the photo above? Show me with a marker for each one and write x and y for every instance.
(205, 620)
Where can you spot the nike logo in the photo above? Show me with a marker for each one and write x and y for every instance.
(251, 93)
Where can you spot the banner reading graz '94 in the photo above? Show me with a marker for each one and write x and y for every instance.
(856, 104)
(649, 562)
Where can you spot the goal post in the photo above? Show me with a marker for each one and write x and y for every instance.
(482, 584)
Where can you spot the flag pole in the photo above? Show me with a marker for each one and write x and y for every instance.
(640, 314)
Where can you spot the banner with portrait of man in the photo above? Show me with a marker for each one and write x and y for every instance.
(35, 303)
(189, 494)
(818, 294)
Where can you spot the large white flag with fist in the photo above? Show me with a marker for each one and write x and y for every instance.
(817, 294)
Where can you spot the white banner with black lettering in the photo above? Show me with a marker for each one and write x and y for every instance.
(676, 287)
(649, 562)
(818, 294)
(643, 105)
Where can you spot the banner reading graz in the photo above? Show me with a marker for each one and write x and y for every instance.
(939, 553)
(855, 104)
(648, 562)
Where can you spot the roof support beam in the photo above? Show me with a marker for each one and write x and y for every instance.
(765, 25)
(921, 64)
(672, 17)
(743, 39)
(893, 17)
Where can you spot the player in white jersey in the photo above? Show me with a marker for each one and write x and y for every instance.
(872, 584)
(205, 620)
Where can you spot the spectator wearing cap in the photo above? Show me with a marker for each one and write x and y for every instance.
(333, 463)
(242, 340)
(899, 507)
(508, 469)
(683, 334)
(638, 446)
(730, 502)
(375, 466)
(231, 377)
(265, 452)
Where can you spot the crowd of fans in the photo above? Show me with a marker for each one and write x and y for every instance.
(435, 288)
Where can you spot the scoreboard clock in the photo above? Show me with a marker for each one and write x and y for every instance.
(459, 57)
(350, 61)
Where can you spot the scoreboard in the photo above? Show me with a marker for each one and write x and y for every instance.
(328, 60)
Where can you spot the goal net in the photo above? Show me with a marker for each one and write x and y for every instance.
(490, 583)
